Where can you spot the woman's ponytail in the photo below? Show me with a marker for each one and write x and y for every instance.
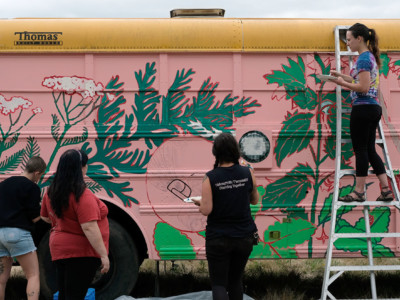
(373, 46)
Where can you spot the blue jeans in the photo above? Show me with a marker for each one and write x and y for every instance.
(227, 258)
(15, 242)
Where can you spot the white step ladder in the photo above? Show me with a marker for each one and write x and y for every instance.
(340, 35)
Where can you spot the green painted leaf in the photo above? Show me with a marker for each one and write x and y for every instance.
(381, 219)
(175, 102)
(11, 142)
(76, 140)
(55, 128)
(324, 69)
(122, 190)
(12, 162)
(114, 151)
(289, 190)
(384, 69)
(397, 63)
(93, 186)
(330, 149)
(262, 250)
(351, 245)
(146, 103)
(325, 214)
(294, 136)
(293, 79)
(292, 232)
(207, 111)
(379, 250)
(32, 149)
(305, 98)
(329, 108)
(241, 108)
(171, 243)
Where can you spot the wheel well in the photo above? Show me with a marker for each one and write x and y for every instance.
(121, 217)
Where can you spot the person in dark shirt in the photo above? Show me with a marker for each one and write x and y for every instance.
(19, 210)
(227, 192)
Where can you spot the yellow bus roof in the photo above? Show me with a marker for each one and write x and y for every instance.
(183, 35)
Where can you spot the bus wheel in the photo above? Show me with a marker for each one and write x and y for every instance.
(120, 279)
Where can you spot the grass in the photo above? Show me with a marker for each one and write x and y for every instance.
(264, 280)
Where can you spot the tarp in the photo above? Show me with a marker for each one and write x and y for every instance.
(204, 295)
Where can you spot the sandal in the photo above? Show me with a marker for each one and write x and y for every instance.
(385, 196)
(349, 198)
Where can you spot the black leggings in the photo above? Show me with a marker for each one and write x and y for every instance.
(364, 121)
(74, 276)
(227, 258)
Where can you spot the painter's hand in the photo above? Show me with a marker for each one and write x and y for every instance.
(335, 73)
(338, 81)
(196, 201)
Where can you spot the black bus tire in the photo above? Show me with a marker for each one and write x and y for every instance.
(120, 279)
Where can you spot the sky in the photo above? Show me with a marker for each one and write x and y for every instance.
(361, 9)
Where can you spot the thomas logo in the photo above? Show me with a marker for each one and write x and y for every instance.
(38, 38)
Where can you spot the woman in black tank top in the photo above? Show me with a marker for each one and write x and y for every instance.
(227, 192)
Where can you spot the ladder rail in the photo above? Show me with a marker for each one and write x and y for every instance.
(388, 162)
(326, 282)
(370, 252)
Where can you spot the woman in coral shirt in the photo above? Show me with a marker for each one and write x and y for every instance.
(80, 232)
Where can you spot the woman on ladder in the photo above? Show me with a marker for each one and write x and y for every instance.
(366, 109)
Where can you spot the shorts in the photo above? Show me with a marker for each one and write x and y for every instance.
(15, 242)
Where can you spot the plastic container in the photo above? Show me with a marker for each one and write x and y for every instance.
(90, 295)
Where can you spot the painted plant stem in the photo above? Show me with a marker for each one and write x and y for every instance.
(55, 151)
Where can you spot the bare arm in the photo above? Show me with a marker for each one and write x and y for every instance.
(47, 220)
(254, 193)
(36, 219)
(346, 78)
(206, 203)
(360, 87)
(92, 232)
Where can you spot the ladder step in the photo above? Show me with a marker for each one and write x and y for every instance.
(348, 53)
(346, 172)
(346, 141)
(366, 268)
(367, 235)
(369, 203)
(346, 110)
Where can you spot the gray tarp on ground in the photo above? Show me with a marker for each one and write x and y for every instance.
(204, 295)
